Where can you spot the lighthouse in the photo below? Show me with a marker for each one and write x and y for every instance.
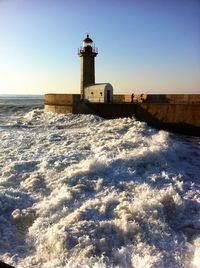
(87, 54)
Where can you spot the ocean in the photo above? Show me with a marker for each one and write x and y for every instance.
(81, 191)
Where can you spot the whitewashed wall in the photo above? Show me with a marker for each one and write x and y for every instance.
(98, 93)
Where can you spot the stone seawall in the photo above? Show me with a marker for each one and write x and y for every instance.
(174, 113)
(181, 118)
(158, 98)
(178, 117)
(61, 103)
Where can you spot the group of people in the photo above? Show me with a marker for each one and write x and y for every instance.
(137, 98)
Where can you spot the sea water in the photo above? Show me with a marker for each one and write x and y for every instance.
(81, 191)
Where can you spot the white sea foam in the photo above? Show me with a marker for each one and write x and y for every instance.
(81, 191)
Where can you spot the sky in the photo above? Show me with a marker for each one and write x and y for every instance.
(145, 46)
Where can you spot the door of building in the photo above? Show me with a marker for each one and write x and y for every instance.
(108, 95)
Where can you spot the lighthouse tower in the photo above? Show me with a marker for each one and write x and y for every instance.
(87, 53)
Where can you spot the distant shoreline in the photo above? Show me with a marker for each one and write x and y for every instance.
(21, 96)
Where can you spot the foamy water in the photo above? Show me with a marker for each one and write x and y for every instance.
(81, 191)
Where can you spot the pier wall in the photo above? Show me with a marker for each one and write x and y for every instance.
(180, 118)
(178, 113)
(158, 98)
(61, 103)
(173, 113)
(173, 98)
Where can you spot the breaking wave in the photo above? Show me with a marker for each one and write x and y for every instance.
(81, 191)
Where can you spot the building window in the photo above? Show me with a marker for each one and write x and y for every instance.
(101, 93)
(92, 93)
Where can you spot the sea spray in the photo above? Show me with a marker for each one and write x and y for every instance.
(81, 191)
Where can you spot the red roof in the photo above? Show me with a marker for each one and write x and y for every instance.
(88, 39)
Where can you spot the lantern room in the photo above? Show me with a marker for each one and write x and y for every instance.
(87, 41)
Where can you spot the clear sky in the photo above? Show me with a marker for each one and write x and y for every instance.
(145, 46)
